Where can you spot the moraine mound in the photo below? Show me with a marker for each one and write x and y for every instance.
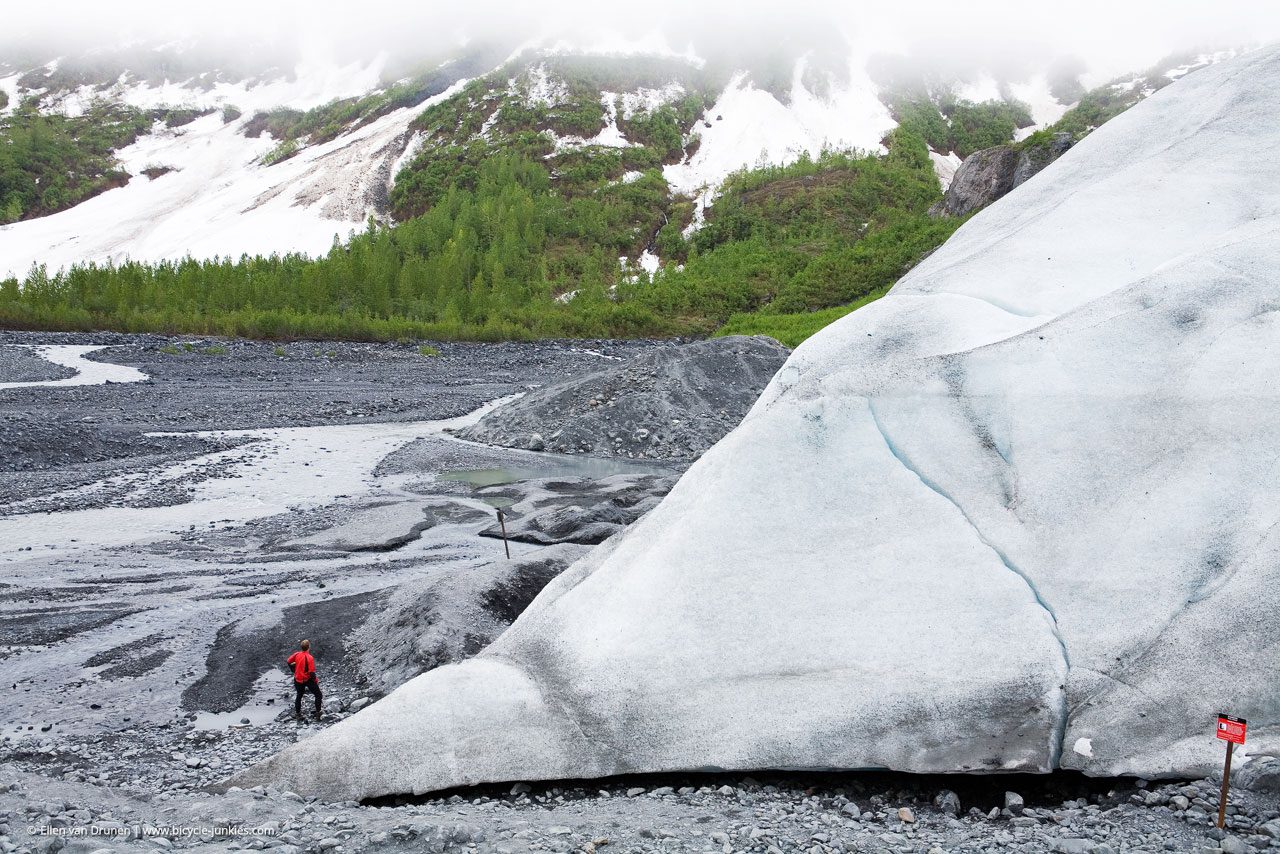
(666, 404)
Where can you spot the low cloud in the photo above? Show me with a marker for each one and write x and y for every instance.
(1009, 39)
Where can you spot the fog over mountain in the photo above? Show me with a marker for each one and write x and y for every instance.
(1103, 39)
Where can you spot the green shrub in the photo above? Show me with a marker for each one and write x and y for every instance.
(283, 151)
(790, 329)
(428, 350)
(956, 124)
(49, 163)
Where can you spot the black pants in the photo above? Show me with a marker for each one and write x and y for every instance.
(301, 688)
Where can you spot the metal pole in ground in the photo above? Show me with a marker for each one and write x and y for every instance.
(502, 520)
(1226, 784)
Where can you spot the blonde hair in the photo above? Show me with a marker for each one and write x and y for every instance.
(306, 644)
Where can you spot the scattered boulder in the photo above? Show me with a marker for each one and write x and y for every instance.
(1260, 774)
(670, 403)
(947, 802)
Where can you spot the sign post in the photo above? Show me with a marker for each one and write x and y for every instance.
(502, 520)
(1231, 730)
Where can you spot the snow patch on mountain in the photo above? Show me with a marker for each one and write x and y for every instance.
(646, 100)
(750, 127)
(220, 200)
(540, 88)
(9, 85)
(945, 166)
(1200, 60)
(609, 136)
(1045, 108)
(310, 85)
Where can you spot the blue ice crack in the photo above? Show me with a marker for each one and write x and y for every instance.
(1059, 734)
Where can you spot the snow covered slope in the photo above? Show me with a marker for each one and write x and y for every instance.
(750, 127)
(1019, 514)
(220, 199)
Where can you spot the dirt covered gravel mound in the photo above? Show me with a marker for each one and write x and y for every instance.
(669, 404)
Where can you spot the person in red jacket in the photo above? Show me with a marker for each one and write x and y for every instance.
(304, 678)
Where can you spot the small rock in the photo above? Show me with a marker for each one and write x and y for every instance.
(1235, 845)
(1073, 846)
(1014, 803)
(906, 816)
(947, 802)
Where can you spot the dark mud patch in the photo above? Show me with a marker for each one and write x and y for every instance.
(135, 658)
(40, 627)
(239, 658)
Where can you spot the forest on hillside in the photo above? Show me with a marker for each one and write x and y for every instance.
(501, 233)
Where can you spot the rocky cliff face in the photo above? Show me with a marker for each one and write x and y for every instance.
(989, 174)
(1019, 514)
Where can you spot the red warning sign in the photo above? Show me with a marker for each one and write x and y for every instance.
(1231, 729)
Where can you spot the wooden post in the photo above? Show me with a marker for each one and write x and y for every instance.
(502, 520)
(1226, 784)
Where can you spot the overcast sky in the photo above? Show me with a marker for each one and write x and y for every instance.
(1109, 36)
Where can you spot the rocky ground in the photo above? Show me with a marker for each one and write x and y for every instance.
(765, 813)
(214, 384)
(23, 364)
(667, 404)
(151, 586)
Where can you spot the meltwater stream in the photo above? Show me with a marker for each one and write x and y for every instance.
(87, 373)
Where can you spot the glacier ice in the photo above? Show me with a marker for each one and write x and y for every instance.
(1027, 500)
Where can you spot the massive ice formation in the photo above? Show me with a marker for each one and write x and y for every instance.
(1019, 514)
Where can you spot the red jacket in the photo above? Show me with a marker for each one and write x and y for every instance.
(304, 666)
